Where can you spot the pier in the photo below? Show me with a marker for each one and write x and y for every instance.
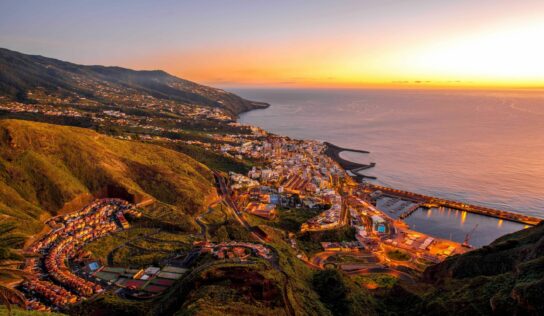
(410, 211)
(334, 151)
(429, 201)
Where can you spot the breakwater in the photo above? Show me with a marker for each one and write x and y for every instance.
(334, 151)
(429, 202)
(410, 211)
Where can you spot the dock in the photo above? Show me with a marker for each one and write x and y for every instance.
(410, 211)
(429, 201)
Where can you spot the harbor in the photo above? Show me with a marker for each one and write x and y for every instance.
(464, 223)
(459, 226)
(471, 225)
(433, 202)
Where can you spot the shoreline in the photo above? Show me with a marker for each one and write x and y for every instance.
(353, 169)
(255, 105)
(427, 201)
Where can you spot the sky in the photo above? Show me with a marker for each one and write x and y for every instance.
(314, 43)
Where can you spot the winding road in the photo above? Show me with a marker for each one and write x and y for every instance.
(237, 214)
(203, 227)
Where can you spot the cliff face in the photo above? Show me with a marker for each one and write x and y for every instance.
(503, 278)
(21, 73)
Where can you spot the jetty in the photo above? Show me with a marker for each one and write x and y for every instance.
(430, 201)
(334, 151)
(410, 210)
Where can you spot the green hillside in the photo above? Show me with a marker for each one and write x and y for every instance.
(21, 73)
(21, 312)
(503, 278)
(44, 166)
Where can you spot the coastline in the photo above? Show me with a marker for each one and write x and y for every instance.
(254, 105)
(333, 151)
(416, 149)
(353, 169)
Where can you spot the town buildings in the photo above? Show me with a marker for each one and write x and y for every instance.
(55, 249)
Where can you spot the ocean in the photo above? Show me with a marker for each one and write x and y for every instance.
(481, 147)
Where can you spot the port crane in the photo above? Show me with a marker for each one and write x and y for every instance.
(468, 236)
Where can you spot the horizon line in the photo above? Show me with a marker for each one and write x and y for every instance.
(372, 87)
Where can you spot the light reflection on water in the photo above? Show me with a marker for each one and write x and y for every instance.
(480, 147)
(453, 224)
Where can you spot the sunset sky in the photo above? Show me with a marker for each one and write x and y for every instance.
(484, 43)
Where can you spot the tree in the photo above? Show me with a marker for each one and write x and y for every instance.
(332, 290)
(9, 295)
(221, 234)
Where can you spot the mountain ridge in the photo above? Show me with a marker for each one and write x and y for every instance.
(22, 73)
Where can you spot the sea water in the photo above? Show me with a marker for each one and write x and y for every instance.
(481, 147)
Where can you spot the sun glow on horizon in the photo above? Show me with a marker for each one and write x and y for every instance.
(353, 44)
(511, 55)
(506, 56)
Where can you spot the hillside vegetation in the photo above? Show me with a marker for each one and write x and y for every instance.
(44, 166)
(21, 73)
(503, 278)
